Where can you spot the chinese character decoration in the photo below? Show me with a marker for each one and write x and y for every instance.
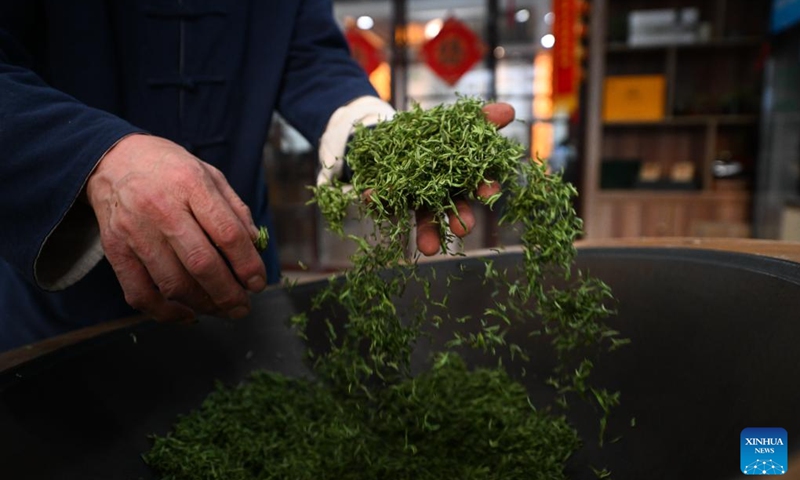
(453, 51)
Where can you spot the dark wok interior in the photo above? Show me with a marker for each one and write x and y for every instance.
(715, 349)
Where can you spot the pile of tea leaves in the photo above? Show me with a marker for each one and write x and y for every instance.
(446, 423)
(365, 414)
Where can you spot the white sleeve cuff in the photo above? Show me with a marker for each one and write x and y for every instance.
(365, 110)
(70, 251)
(73, 247)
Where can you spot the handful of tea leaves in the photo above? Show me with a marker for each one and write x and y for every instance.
(365, 415)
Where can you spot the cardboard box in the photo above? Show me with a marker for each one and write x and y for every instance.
(663, 27)
(665, 18)
(634, 98)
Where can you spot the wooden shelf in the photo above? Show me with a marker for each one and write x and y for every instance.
(689, 121)
(721, 43)
(714, 76)
(663, 213)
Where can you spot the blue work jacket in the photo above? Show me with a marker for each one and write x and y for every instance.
(75, 77)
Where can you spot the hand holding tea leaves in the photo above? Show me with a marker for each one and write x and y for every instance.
(438, 142)
(462, 220)
(433, 148)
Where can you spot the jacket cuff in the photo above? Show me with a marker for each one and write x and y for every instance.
(73, 247)
(365, 110)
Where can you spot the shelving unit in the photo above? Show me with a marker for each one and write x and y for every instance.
(711, 105)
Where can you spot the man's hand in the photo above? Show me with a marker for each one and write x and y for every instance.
(428, 242)
(168, 221)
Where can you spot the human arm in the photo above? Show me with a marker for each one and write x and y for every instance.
(51, 143)
(54, 146)
(168, 221)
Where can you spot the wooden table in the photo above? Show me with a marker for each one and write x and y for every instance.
(789, 251)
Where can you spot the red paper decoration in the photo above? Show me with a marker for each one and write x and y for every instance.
(568, 29)
(453, 52)
(365, 52)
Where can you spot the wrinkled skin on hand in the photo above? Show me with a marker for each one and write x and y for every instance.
(428, 242)
(168, 224)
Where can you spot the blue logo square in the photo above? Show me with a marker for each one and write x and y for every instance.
(764, 451)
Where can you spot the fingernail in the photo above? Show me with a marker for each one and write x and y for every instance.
(238, 312)
(256, 284)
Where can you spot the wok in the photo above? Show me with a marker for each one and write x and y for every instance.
(714, 350)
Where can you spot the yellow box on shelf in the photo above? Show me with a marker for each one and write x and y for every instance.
(634, 98)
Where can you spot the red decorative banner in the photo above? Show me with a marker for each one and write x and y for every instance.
(363, 49)
(453, 52)
(565, 61)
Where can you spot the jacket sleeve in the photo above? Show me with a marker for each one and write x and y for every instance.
(319, 75)
(49, 144)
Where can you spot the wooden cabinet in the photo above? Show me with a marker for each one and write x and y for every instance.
(671, 214)
(711, 112)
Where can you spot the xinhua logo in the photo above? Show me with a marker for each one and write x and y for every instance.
(764, 451)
